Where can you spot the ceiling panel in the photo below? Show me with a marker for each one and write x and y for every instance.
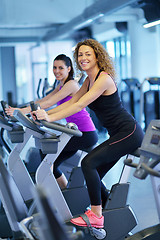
(39, 20)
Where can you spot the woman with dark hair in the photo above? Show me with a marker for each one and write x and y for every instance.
(66, 89)
(100, 93)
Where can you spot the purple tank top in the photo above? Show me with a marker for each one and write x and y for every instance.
(82, 119)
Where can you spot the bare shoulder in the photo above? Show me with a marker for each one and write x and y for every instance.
(71, 83)
(70, 87)
(106, 77)
(106, 80)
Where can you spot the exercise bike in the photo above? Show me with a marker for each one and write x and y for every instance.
(116, 213)
(20, 136)
(5, 229)
(70, 166)
(149, 164)
(17, 168)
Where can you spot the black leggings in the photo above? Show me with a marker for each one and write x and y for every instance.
(102, 158)
(87, 140)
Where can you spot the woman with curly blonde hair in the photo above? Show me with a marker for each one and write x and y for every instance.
(99, 92)
(104, 61)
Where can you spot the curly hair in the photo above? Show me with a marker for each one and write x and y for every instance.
(105, 62)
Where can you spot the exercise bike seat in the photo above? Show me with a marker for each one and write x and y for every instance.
(136, 153)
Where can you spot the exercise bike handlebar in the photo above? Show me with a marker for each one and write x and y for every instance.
(4, 106)
(130, 163)
(5, 124)
(27, 122)
(69, 128)
(149, 170)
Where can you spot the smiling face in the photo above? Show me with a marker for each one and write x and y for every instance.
(60, 70)
(86, 58)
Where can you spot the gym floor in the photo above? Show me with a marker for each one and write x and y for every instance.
(140, 197)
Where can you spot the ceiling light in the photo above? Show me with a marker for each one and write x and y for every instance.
(151, 24)
(88, 21)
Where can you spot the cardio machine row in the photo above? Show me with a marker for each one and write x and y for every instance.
(110, 211)
(49, 143)
(45, 178)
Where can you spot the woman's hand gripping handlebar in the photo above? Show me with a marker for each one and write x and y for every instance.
(4, 107)
(69, 128)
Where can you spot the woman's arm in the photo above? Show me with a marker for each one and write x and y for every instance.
(71, 87)
(9, 111)
(79, 101)
(75, 98)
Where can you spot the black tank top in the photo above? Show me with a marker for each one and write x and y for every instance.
(111, 113)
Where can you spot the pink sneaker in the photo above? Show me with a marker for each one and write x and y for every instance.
(93, 219)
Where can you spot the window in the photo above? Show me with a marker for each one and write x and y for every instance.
(119, 49)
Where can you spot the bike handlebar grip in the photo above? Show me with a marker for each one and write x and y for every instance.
(70, 128)
(34, 106)
(149, 170)
(129, 163)
(62, 128)
(5, 105)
